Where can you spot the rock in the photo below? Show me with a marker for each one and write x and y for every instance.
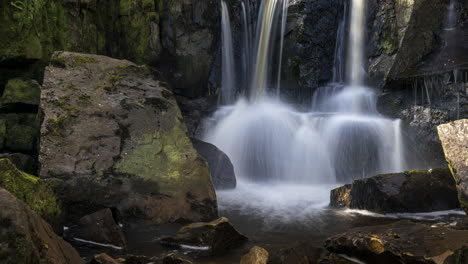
(113, 136)
(139, 259)
(222, 170)
(256, 255)
(410, 191)
(306, 253)
(400, 242)
(99, 227)
(19, 132)
(19, 91)
(21, 161)
(216, 237)
(104, 259)
(27, 239)
(172, 258)
(454, 137)
(31, 190)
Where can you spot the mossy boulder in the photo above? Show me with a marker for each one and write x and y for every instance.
(31, 190)
(19, 132)
(112, 136)
(454, 138)
(18, 91)
(410, 191)
(25, 237)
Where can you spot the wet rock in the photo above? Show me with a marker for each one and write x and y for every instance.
(21, 161)
(31, 190)
(104, 259)
(173, 258)
(306, 253)
(27, 239)
(454, 137)
(99, 227)
(222, 170)
(400, 242)
(216, 237)
(411, 191)
(256, 255)
(112, 137)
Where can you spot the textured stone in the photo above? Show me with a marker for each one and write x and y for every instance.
(411, 191)
(27, 239)
(256, 255)
(113, 136)
(454, 137)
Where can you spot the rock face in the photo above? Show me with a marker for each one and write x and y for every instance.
(454, 137)
(112, 137)
(411, 191)
(222, 171)
(400, 242)
(217, 236)
(26, 238)
(256, 255)
(99, 227)
(31, 190)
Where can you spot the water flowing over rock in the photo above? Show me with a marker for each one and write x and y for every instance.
(222, 171)
(27, 239)
(401, 242)
(411, 191)
(454, 137)
(112, 137)
(215, 237)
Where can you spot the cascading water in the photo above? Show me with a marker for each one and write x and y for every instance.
(228, 75)
(271, 144)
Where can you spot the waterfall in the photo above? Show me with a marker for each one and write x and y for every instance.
(342, 137)
(227, 75)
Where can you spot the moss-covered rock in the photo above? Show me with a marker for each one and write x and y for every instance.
(19, 132)
(115, 139)
(21, 91)
(30, 189)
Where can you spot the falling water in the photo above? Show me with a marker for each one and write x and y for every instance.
(227, 74)
(338, 64)
(342, 138)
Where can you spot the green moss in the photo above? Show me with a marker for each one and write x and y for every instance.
(55, 126)
(115, 78)
(21, 138)
(84, 100)
(81, 60)
(30, 189)
(21, 91)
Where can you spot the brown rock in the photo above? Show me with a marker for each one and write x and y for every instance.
(400, 242)
(27, 239)
(103, 258)
(454, 137)
(173, 258)
(256, 255)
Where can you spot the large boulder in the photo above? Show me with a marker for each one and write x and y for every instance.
(112, 137)
(215, 237)
(307, 253)
(21, 161)
(454, 137)
(222, 170)
(256, 255)
(411, 191)
(19, 91)
(31, 190)
(400, 242)
(27, 239)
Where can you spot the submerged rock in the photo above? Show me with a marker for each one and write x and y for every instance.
(410, 191)
(256, 255)
(222, 170)
(99, 228)
(112, 137)
(215, 237)
(400, 242)
(454, 137)
(27, 239)
(31, 190)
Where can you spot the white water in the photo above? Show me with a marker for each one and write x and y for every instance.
(285, 160)
(227, 74)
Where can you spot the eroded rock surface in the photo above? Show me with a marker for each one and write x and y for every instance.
(256, 255)
(411, 191)
(454, 137)
(27, 239)
(400, 242)
(112, 137)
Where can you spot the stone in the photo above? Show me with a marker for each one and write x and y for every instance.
(256, 255)
(221, 168)
(99, 227)
(21, 161)
(410, 191)
(306, 253)
(103, 258)
(112, 137)
(19, 91)
(31, 190)
(454, 138)
(27, 239)
(216, 237)
(400, 242)
(173, 258)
